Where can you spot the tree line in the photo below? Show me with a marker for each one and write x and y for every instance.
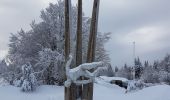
(156, 72)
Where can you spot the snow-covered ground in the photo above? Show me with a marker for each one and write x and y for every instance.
(102, 91)
(160, 92)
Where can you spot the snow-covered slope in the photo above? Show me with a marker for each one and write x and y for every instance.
(107, 92)
(102, 91)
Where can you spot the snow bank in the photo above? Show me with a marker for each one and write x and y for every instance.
(41, 93)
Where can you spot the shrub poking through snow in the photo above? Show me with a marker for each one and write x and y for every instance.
(135, 85)
(28, 80)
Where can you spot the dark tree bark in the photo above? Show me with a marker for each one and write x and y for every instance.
(88, 88)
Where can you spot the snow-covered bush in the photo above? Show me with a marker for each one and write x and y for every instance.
(50, 62)
(3, 82)
(28, 80)
(150, 75)
(18, 82)
(135, 85)
(164, 77)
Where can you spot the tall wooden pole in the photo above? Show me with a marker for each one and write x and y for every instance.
(70, 93)
(93, 32)
(67, 30)
(79, 35)
(67, 42)
(88, 89)
(79, 43)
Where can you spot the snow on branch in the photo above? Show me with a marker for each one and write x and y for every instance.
(82, 70)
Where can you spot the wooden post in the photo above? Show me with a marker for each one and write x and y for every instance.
(70, 92)
(67, 42)
(93, 32)
(67, 30)
(88, 89)
(79, 43)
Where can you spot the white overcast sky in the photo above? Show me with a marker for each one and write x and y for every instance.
(147, 22)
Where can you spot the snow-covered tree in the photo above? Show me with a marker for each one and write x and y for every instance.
(157, 72)
(156, 65)
(150, 75)
(28, 79)
(146, 64)
(116, 69)
(51, 74)
(101, 53)
(3, 66)
(164, 77)
(164, 69)
(165, 64)
(25, 46)
(125, 72)
(138, 68)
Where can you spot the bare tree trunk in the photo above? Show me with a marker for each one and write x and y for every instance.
(88, 89)
(79, 43)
